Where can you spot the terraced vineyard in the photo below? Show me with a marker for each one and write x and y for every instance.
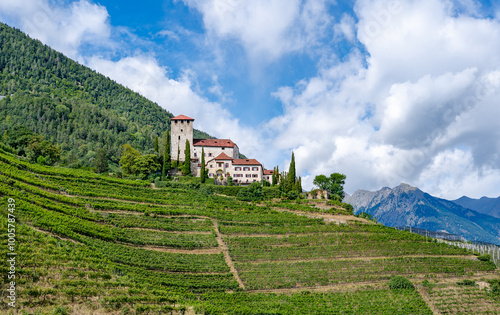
(89, 244)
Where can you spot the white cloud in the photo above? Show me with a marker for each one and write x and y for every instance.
(428, 89)
(63, 27)
(144, 75)
(346, 28)
(266, 29)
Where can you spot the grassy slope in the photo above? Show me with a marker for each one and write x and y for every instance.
(90, 244)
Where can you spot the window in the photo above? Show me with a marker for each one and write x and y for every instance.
(237, 168)
(254, 175)
(255, 168)
(195, 154)
(227, 165)
(223, 148)
(209, 154)
(219, 164)
(187, 121)
(211, 165)
(246, 168)
(175, 121)
(182, 130)
(249, 175)
(179, 137)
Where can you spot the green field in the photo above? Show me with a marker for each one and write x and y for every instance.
(91, 244)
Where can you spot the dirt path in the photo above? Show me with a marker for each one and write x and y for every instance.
(227, 257)
(370, 285)
(158, 215)
(328, 218)
(257, 262)
(294, 234)
(169, 232)
(341, 287)
(205, 251)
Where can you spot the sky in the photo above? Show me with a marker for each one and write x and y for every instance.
(382, 91)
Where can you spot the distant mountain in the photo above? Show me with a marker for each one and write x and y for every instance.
(405, 205)
(489, 206)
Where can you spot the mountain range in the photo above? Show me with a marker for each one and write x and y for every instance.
(489, 206)
(405, 205)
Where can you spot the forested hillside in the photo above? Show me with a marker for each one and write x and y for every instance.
(70, 104)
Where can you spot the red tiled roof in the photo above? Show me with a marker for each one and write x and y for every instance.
(268, 172)
(223, 156)
(246, 162)
(225, 143)
(181, 117)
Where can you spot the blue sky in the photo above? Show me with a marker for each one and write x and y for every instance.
(382, 91)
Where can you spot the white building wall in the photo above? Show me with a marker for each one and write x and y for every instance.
(181, 130)
(247, 174)
(211, 152)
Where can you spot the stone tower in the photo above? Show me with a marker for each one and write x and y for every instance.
(181, 129)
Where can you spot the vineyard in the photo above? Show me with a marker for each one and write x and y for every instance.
(92, 244)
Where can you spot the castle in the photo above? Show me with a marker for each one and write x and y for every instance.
(221, 155)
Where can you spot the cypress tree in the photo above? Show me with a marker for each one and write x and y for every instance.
(298, 186)
(187, 159)
(156, 144)
(203, 170)
(178, 154)
(166, 157)
(291, 174)
(291, 179)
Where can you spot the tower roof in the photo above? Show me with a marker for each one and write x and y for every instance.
(182, 117)
(246, 162)
(223, 156)
(225, 143)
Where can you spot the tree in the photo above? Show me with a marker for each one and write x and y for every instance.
(333, 184)
(321, 181)
(166, 157)
(291, 178)
(156, 144)
(187, 159)
(178, 155)
(128, 157)
(230, 181)
(145, 165)
(276, 176)
(203, 171)
(39, 147)
(298, 185)
(101, 161)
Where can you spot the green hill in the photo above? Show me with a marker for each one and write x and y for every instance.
(90, 244)
(70, 104)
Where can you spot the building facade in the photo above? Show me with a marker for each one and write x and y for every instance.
(181, 129)
(221, 155)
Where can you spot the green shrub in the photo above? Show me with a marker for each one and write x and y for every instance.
(495, 289)
(292, 195)
(426, 283)
(364, 215)
(467, 282)
(250, 193)
(60, 310)
(400, 283)
(484, 257)
(226, 190)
